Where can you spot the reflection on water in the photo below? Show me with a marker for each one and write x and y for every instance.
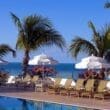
(20, 104)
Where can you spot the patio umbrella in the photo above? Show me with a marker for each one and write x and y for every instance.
(42, 59)
(92, 62)
(81, 65)
(98, 65)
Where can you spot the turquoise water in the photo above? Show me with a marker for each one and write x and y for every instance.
(63, 69)
(18, 104)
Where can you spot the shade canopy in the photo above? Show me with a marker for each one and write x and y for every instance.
(98, 65)
(92, 62)
(42, 59)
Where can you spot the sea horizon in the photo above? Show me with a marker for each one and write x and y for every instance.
(64, 70)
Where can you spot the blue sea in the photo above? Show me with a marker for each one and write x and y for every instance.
(63, 69)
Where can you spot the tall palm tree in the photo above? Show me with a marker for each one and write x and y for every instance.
(98, 45)
(4, 49)
(35, 31)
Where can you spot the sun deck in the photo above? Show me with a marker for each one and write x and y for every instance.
(67, 100)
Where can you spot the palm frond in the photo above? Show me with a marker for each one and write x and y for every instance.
(81, 45)
(96, 35)
(106, 36)
(19, 43)
(91, 25)
(38, 31)
(17, 21)
(51, 37)
(97, 38)
(33, 21)
(4, 49)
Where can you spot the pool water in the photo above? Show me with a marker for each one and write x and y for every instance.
(20, 104)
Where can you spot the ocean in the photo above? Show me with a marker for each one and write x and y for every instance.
(63, 69)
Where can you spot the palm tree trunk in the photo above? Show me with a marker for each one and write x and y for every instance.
(25, 62)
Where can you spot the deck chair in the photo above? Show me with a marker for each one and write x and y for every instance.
(18, 79)
(26, 79)
(56, 83)
(102, 91)
(54, 87)
(89, 88)
(65, 89)
(34, 79)
(78, 88)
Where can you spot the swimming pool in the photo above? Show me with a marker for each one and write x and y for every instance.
(21, 104)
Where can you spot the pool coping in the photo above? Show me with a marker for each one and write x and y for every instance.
(54, 102)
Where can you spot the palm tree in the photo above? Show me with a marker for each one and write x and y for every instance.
(98, 45)
(34, 31)
(4, 49)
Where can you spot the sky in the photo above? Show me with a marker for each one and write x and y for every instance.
(69, 17)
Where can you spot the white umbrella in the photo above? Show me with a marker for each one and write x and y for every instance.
(85, 61)
(42, 59)
(98, 65)
(81, 65)
(92, 62)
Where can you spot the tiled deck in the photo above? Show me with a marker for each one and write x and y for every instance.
(44, 96)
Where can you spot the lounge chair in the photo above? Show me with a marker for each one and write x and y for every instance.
(54, 87)
(26, 79)
(24, 82)
(62, 83)
(89, 88)
(102, 91)
(66, 88)
(10, 82)
(34, 79)
(78, 88)
(18, 79)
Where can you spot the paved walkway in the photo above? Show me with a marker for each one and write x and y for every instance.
(44, 96)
